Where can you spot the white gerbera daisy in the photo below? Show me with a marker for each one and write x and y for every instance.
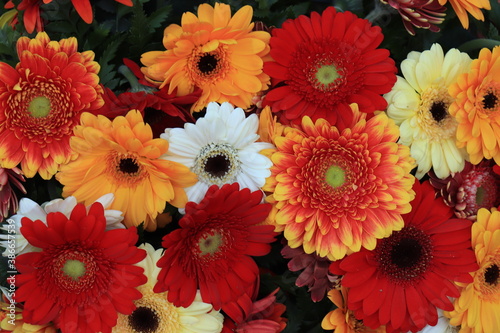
(419, 104)
(29, 208)
(220, 148)
(155, 314)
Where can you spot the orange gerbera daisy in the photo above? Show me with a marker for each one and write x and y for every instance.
(41, 101)
(337, 189)
(213, 51)
(462, 7)
(121, 157)
(477, 107)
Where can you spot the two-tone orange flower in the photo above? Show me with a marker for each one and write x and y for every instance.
(464, 7)
(214, 51)
(41, 100)
(337, 189)
(477, 107)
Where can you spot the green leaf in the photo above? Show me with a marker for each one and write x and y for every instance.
(476, 44)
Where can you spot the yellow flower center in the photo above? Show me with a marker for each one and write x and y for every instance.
(39, 107)
(210, 243)
(74, 269)
(488, 278)
(325, 75)
(335, 176)
(433, 116)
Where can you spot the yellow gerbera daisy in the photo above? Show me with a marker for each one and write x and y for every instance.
(478, 306)
(477, 105)
(337, 189)
(419, 104)
(215, 52)
(155, 314)
(121, 157)
(462, 7)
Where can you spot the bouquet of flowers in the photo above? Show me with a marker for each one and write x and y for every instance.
(250, 166)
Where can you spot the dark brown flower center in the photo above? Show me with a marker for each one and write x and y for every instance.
(405, 255)
(492, 274)
(490, 101)
(217, 165)
(438, 111)
(144, 320)
(207, 63)
(128, 165)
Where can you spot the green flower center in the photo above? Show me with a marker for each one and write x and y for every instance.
(210, 243)
(326, 74)
(39, 107)
(74, 269)
(335, 176)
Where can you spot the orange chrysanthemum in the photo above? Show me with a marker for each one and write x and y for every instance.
(213, 51)
(41, 101)
(462, 7)
(339, 189)
(121, 157)
(477, 107)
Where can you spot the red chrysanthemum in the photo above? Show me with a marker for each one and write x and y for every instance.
(326, 62)
(411, 273)
(41, 100)
(83, 275)
(212, 250)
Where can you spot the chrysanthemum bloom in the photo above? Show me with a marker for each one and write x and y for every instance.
(83, 275)
(212, 250)
(121, 157)
(30, 209)
(477, 107)
(342, 320)
(213, 51)
(264, 317)
(419, 13)
(473, 7)
(154, 313)
(10, 178)
(315, 273)
(220, 148)
(477, 308)
(475, 187)
(412, 272)
(419, 103)
(339, 189)
(326, 62)
(41, 100)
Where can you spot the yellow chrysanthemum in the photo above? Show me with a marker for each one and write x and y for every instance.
(462, 7)
(336, 190)
(478, 307)
(215, 52)
(419, 104)
(155, 314)
(477, 107)
(121, 157)
(342, 320)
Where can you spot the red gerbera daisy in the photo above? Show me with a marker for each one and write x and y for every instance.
(83, 275)
(211, 251)
(41, 100)
(325, 63)
(401, 282)
(31, 14)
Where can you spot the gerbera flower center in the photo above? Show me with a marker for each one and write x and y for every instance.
(491, 275)
(433, 116)
(325, 75)
(489, 98)
(124, 168)
(207, 63)
(39, 107)
(335, 176)
(488, 278)
(210, 242)
(405, 255)
(217, 163)
(207, 67)
(144, 320)
(481, 189)
(74, 270)
(490, 101)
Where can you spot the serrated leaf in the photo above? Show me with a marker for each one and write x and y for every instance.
(157, 19)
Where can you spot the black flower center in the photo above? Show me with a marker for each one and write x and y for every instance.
(217, 165)
(144, 320)
(128, 165)
(405, 255)
(490, 101)
(492, 274)
(207, 63)
(438, 111)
